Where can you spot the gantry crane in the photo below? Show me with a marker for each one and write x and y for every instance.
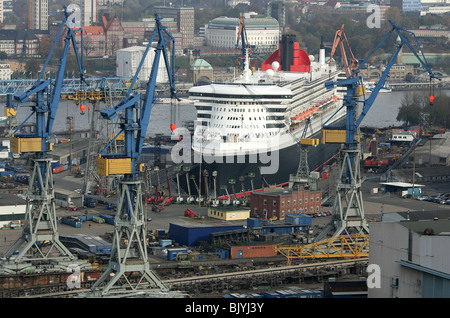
(39, 242)
(348, 216)
(350, 64)
(130, 255)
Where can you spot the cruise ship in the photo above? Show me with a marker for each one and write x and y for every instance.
(248, 130)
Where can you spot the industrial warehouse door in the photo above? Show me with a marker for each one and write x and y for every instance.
(239, 254)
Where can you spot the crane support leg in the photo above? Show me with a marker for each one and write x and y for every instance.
(39, 241)
(348, 216)
(129, 249)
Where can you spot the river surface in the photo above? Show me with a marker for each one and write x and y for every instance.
(382, 114)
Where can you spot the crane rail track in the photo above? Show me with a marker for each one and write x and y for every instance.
(178, 282)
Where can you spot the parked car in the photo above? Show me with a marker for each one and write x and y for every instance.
(423, 197)
(328, 203)
(407, 196)
(327, 213)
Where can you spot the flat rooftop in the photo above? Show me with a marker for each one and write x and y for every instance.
(7, 199)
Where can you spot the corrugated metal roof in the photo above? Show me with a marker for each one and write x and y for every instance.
(424, 269)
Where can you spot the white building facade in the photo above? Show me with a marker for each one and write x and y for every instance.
(5, 72)
(88, 12)
(413, 258)
(128, 60)
(12, 210)
(263, 33)
(39, 15)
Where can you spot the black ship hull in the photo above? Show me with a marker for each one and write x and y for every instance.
(237, 176)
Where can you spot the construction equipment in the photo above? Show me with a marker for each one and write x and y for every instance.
(129, 248)
(303, 172)
(348, 216)
(190, 199)
(28, 252)
(190, 214)
(339, 38)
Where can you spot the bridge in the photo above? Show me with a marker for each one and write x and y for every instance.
(70, 85)
(95, 89)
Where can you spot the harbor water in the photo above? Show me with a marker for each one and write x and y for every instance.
(382, 114)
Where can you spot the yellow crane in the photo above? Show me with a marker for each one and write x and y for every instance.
(341, 246)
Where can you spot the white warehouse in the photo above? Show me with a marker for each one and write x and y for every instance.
(413, 257)
(262, 33)
(128, 60)
(12, 210)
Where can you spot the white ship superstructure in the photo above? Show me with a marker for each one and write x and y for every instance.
(265, 110)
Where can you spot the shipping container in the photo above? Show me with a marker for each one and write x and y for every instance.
(58, 169)
(75, 222)
(173, 252)
(298, 219)
(109, 219)
(251, 251)
(98, 219)
(165, 242)
(253, 222)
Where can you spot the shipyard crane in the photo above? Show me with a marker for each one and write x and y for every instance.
(129, 247)
(339, 39)
(302, 175)
(245, 46)
(39, 242)
(348, 208)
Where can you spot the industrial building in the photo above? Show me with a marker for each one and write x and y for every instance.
(67, 153)
(190, 232)
(280, 202)
(65, 198)
(412, 254)
(128, 60)
(229, 213)
(12, 210)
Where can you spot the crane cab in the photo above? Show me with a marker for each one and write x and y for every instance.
(25, 144)
(113, 166)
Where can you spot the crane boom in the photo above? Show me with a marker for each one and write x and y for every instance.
(137, 110)
(354, 81)
(348, 210)
(339, 39)
(130, 221)
(45, 113)
(40, 223)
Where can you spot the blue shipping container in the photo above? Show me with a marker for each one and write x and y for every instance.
(172, 253)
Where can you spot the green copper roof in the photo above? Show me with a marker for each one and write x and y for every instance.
(200, 64)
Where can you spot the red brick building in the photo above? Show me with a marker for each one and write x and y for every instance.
(114, 34)
(94, 41)
(279, 202)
